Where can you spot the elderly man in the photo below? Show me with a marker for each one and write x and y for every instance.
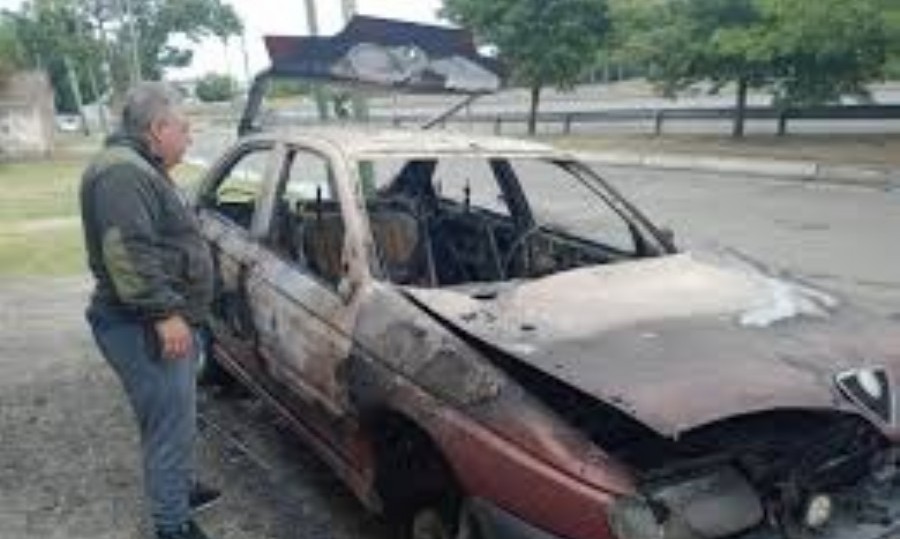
(154, 282)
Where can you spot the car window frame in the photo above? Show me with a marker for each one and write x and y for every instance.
(334, 161)
(216, 175)
(650, 236)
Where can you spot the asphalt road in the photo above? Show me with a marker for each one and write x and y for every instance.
(839, 237)
(69, 466)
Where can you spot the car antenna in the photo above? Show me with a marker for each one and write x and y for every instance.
(319, 203)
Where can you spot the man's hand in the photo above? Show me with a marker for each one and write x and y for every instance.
(175, 337)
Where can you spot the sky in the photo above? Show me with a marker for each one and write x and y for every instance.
(263, 17)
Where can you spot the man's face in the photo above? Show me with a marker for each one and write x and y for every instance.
(171, 137)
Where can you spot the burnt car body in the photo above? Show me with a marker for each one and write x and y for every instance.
(483, 335)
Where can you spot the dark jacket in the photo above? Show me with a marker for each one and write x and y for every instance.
(144, 245)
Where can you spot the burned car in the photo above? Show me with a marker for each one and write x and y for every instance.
(484, 338)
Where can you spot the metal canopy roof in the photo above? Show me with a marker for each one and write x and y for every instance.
(393, 55)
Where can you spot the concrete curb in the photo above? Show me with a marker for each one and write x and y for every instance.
(878, 177)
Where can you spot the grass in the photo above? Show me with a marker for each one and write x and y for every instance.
(42, 252)
(40, 227)
(39, 190)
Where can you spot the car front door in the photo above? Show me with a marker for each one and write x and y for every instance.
(304, 293)
(231, 208)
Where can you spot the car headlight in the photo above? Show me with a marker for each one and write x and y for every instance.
(817, 511)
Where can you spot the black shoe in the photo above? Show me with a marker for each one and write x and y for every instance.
(202, 497)
(189, 530)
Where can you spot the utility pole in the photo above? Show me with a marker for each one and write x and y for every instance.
(92, 78)
(247, 76)
(106, 69)
(360, 107)
(76, 94)
(312, 23)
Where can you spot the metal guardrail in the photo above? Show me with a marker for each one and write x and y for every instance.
(656, 117)
(659, 116)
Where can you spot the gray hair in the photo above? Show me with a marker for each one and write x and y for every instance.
(146, 103)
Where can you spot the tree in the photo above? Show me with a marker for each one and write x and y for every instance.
(90, 40)
(53, 38)
(542, 41)
(892, 27)
(12, 56)
(804, 52)
(158, 20)
(215, 87)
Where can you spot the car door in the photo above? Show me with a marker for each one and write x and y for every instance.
(231, 208)
(303, 292)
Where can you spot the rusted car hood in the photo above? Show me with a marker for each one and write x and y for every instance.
(677, 342)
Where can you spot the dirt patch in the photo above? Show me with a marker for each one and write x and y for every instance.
(69, 465)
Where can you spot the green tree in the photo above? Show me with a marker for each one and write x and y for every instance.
(91, 42)
(543, 42)
(804, 52)
(215, 87)
(54, 37)
(892, 25)
(157, 21)
(12, 55)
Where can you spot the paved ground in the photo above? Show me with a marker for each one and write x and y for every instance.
(843, 238)
(68, 461)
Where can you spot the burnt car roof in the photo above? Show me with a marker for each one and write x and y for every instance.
(361, 143)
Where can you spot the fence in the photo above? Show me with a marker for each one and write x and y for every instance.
(566, 121)
(658, 117)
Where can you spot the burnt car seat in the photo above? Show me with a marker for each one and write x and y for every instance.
(396, 235)
(323, 242)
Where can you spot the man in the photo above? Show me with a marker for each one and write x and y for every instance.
(154, 278)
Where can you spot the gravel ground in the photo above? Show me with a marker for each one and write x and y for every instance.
(69, 465)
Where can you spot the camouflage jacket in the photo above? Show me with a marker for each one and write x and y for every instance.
(143, 244)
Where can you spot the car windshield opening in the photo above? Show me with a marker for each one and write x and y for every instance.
(451, 220)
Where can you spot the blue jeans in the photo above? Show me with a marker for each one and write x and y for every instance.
(162, 394)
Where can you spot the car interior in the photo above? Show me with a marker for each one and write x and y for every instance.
(424, 237)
